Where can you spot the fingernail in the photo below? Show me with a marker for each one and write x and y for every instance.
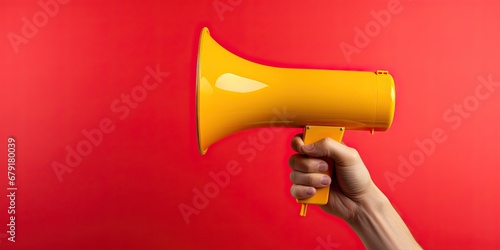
(311, 191)
(325, 180)
(322, 167)
(308, 147)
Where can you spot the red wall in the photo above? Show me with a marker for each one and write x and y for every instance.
(73, 71)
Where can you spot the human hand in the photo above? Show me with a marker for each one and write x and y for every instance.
(352, 185)
(353, 195)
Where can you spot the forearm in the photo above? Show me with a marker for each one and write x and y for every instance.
(379, 226)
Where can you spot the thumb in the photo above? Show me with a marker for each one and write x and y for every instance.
(332, 149)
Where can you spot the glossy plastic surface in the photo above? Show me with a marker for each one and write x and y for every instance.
(234, 94)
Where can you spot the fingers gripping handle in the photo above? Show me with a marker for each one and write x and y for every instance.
(313, 134)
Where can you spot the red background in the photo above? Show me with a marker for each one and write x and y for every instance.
(127, 192)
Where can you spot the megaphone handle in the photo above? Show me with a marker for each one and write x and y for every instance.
(313, 134)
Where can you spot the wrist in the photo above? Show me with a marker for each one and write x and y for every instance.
(373, 201)
(371, 206)
(378, 224)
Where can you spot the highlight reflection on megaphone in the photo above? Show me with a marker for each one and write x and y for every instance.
(234, 94)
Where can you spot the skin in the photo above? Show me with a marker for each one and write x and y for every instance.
(354, 197)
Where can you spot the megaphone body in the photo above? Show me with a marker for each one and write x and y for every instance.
(234, 94)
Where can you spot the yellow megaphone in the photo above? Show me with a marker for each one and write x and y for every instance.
(234, 94)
